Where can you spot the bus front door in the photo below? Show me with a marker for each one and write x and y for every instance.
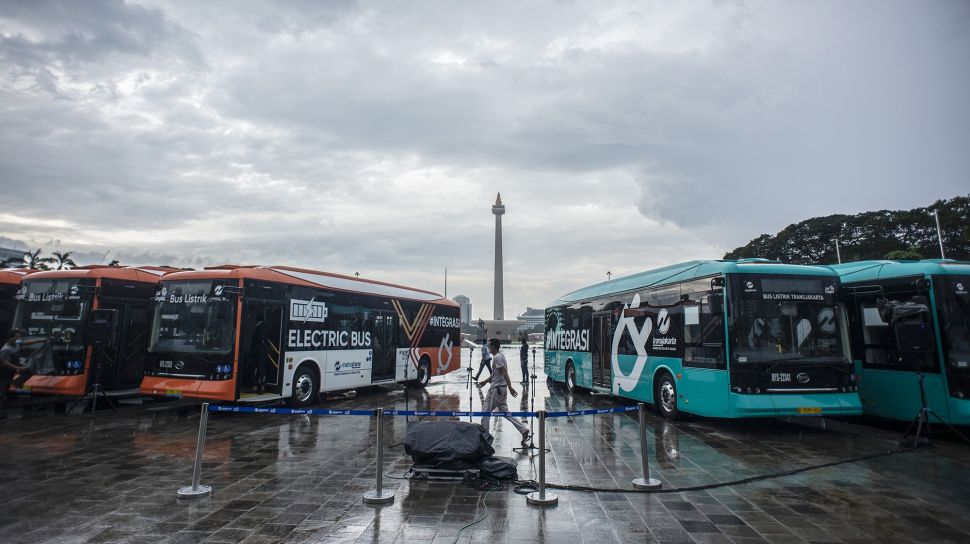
(384, 341)
(262, 331)
(601, 345)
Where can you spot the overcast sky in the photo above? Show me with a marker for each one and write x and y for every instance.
(372, 137)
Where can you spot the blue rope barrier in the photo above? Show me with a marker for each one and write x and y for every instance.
(415, 413)
(593, 412)
(287, 411)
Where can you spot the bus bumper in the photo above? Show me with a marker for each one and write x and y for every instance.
(842, 404)
(58, 385)
(959, 411)
(153, 386)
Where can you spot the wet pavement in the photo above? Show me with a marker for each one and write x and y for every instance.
(277, 478)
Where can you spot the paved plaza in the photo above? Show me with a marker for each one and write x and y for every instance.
(281, 478)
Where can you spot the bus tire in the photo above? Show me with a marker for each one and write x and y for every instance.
(306, 387)
(665, 396)
(424, 373)
(570, 377)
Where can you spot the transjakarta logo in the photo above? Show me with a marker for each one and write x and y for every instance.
(442, 321)
(663, 321)
(628, 382)
(568, 340)
(308, 310)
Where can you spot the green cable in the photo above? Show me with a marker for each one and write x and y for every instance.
(484, 514)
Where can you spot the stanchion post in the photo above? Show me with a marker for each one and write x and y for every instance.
(646, 482)
(541, 498)
(197, 490)
(379, 495)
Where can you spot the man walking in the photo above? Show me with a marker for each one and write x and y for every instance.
(10, 361)
(486, 361)
(524, 360)
(501, 386)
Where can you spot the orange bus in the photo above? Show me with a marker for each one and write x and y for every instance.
(97, 319)
(260, 333)
(9, 285)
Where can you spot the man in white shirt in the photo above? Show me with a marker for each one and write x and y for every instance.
(501, 386)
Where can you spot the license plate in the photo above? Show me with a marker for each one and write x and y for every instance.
(809, 410)
(174, 392)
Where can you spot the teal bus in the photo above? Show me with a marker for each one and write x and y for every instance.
(888, 372)
(746, 338)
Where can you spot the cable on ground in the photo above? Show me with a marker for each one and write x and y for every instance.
(524, 487)
(497, 487)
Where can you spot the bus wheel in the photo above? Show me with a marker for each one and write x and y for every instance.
(570, 377)
(305, 387)
(665, 396)
(424, 373)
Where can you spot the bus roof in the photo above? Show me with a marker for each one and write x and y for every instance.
(872, 270)
(687, 271)
(13, 275)
(312, 278)
(146, 274)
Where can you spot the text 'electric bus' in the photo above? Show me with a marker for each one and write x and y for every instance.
(256, 333)
(97, 320)
(9, 285)
(932, 336)
(715, 338)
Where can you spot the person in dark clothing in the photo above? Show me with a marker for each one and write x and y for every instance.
(524, 360)
(486, 361)
(10, 360)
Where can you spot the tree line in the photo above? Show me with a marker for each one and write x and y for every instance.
(57, 260)
(884, 234)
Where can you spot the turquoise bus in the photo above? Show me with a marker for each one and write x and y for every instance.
(888, 376)
(746, 338)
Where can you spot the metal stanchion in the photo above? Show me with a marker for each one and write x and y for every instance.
(541, 498)
(197, 490)
(646, 482)
(379, 495)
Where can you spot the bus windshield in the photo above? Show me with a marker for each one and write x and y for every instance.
(189, 318)
(956, 319)
(784, 319)
(54, 309)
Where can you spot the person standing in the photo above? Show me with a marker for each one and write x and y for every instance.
(497, 398)
(10, 360)
(524, 360)
(486, 361)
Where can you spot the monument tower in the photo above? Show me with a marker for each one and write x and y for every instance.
(498, 209)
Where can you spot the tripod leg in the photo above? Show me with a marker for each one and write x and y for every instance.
(951, 427)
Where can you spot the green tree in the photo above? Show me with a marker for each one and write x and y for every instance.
(62, 261)
(869, 235)
(31, 260)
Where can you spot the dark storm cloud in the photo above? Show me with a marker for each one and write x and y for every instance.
(373, 136)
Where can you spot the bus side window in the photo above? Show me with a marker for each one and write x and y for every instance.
(703, 332)
(879, 344)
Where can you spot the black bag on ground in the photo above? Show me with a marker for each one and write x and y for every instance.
(447, 443)
(498, 468)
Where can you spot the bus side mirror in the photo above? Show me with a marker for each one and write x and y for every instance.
(103, 328)
(716, 302)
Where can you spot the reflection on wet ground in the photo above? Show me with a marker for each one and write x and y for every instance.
(300, 479)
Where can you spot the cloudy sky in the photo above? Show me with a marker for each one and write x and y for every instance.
(372, 137)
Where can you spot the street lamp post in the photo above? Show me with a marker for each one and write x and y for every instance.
(939, 233)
